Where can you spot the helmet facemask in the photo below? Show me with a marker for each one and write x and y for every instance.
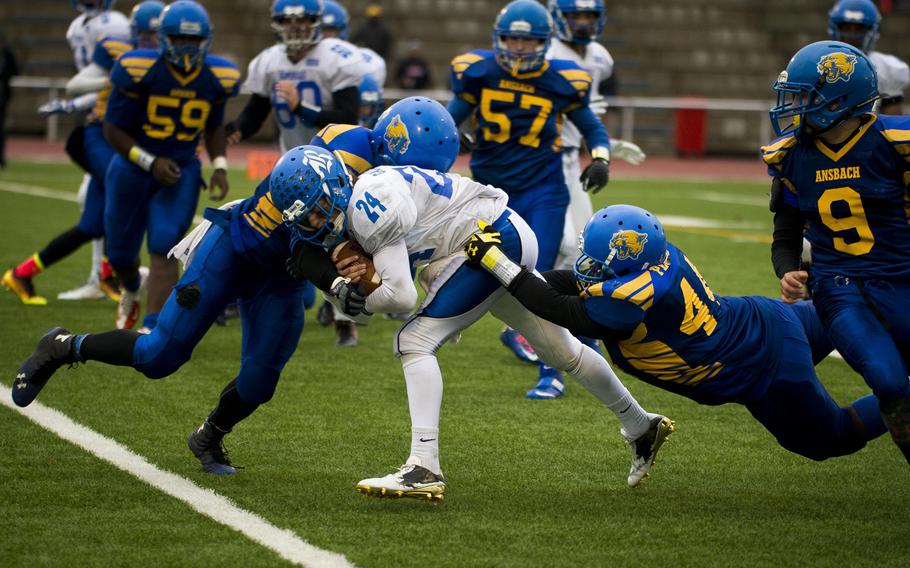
(297, 31)
(523, 59)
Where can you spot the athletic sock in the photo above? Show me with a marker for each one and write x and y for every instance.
(111, 347)
(30, 267)
(596, 375)
(231, 409)
(63, 245)
(424, 384)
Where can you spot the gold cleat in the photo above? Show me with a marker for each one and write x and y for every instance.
(111, 287)
(644, 448)
(23, 289)
(435, 494)
(412, 481)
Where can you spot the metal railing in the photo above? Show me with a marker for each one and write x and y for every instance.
(627, 106)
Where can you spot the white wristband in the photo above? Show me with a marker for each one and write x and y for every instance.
(142, 158)
(220, 163)
(500, 266)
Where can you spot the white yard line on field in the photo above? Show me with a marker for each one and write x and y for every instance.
(220, 509)
(718, 197)
(38, 191)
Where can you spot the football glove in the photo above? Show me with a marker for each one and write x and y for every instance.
(351, 301)
(596, 175)
(482, 250)
(57, 106)
(627, 151)
(599, 107)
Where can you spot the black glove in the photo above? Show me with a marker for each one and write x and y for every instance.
(349, 296)
(480, 243)
(596, 176)
(466, 142)
(294, 265)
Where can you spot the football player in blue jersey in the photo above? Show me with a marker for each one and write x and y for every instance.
(661, 322)
(239, 252)
(161, 104)
(520, 99)
(96, 155)
(841, 175)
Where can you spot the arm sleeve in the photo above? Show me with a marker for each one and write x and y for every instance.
(591, 127)
(251, 117)
(316, 265)
(397, 292)
(92, 78)
(345, 108)
(460, 109)
(787, 246)
(549, 299)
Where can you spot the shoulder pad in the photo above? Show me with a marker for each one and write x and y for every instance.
(461, 63)
(579, 79)
(774, 153)
(635, 288)
(226, 72)
(350, 142)
(138, 62)
(116, 46)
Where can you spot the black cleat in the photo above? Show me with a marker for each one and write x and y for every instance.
(205, 443)
(326, 314)
(52, 352)
(345, 334)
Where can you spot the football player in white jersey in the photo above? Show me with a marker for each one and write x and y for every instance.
(578, 24)
(335, 24)
(405, 217)
(96, 20)
(307, 80)
(857, 22)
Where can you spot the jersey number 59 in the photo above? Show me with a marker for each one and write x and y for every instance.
(164, 114)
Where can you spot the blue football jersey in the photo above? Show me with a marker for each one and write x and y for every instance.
(854, 198)
(353, 144)
(519, 118)
(165, 111)
(257, 231)
(107, 51)
(712, 349)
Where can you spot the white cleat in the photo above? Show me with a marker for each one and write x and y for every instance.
(411, 480)
(128, 310)
(644, 448)
(87, 291)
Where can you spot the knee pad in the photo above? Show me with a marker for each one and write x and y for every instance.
(256, 383)
(416, 337)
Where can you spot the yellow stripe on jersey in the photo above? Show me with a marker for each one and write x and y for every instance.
(461, 62)
(354, 161)
(468, 97)
(267, 208)
(226, 72)
(903, 150)
(837, 155)
(661, 362)
(788, 184)
(773, 154)
(332, 131)
(576, 74)
(633, 287)
(118, 46)
(895, 135)
(581, 86)
(140, 62)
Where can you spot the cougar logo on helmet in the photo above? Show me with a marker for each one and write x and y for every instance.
(837, 66)
(628, 244)
(396, 136)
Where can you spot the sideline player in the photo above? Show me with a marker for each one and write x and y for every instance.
(307, 80)
(93, 78)
(661, 322)
(162, 103)
(857, 22)
(840, 176)
(519, 99)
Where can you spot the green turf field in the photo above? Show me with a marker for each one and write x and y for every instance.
(531, 483)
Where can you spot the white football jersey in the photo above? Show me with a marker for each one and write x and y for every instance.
(330, 66)
(893, 74)
(598, 62)
(375, 64)
(434, 213)
(85, 31)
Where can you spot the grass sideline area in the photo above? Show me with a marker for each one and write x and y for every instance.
(531, 483)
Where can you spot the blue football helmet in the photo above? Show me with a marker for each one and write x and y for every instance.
(370, 101)
(826, 83)
(334, 16)
(184, 18)
(297, 22)
(522, 19)
(145, 17)
(860, 15)
(619, 240)
(310, 179)
(570, 32)
(416, 131)
(93, 7)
